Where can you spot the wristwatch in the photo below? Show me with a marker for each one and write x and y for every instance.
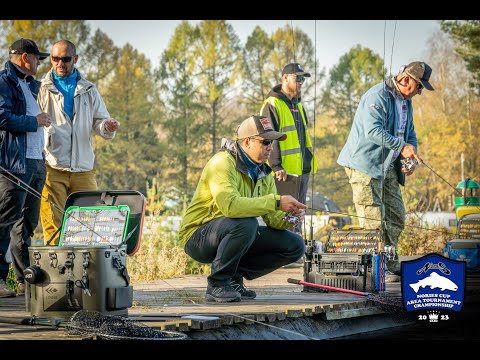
(277, 201)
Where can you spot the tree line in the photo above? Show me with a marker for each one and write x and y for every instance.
(174, 113)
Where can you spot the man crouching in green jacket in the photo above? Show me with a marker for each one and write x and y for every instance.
(220, 225)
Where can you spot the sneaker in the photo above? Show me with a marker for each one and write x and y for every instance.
(21, 289)
(391, 277)
(224, 293)
(6, 292)
(244, 292)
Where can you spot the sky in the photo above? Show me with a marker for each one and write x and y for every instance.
(408, 38)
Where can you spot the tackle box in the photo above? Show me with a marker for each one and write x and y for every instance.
(350, 259)
(88, 270)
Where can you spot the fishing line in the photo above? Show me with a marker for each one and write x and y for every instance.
(24, 186)
(35, 193)
(314, 127)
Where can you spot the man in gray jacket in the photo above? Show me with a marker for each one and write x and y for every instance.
(382, 137)
(78, 112)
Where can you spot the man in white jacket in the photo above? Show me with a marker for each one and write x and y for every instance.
(77, 112)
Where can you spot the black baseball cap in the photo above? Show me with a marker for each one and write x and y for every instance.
(295, 68)
(27, 46)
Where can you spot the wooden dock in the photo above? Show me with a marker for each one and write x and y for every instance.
(177, 304)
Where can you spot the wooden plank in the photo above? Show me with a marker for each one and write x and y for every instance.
(179, 324)
(343, 314)
(272, 304)
(353, 305)
(226, 319)
(260, 317)
(200, 322)
(294, 313)
(249, 319)
(169, 326)
(147, 318)
(238, 319)
(183, 326)
(271, 316)
(308, 312)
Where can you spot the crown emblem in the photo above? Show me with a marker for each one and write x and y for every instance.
(433, 316)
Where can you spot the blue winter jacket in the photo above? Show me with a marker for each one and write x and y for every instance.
(367, 140)
(14, 124)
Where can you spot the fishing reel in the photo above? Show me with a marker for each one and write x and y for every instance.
(292, 219)
(409, 163)
(391, 252)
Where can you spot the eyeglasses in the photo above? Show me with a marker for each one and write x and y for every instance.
(419, 83)
(265, 142)
(299, 78)
(65, 59)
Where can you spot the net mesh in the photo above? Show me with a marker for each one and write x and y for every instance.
(390, 304)
(87, 323)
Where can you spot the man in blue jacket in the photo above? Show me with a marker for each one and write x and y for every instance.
(381, 138)
(22, 165)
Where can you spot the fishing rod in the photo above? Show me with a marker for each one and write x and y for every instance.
(383, 300)
(424, 163)
(21, 184)
(368, 218)
(314, 120)
(24, 186)
(33, 320)
(412, 163)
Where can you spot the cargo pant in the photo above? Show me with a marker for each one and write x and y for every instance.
(58, 185)
(367, 197)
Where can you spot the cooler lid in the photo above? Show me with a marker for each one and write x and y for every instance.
(131, 198)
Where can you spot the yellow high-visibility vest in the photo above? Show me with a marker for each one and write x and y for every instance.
(290, 151)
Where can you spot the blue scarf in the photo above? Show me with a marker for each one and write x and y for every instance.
(252, 167)
(66, 85)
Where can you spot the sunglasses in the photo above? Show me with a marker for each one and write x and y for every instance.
(265, 142)
(419, 86)
(298, 78)
(65, 59)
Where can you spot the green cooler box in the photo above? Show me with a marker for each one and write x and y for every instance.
(88, 270)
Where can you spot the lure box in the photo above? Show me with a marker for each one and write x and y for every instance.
(88, 270)
(468, 226)
(349, 260)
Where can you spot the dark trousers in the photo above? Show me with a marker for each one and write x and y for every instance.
(241, 248)
(19, 214)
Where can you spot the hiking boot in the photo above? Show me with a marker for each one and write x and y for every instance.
(391, 277)
(244, 292)
(223, 293)
(21, 289)
(5, 292)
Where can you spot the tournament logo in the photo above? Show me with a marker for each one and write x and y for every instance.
(433, 282)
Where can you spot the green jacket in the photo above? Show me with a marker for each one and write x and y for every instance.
(225, 189)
